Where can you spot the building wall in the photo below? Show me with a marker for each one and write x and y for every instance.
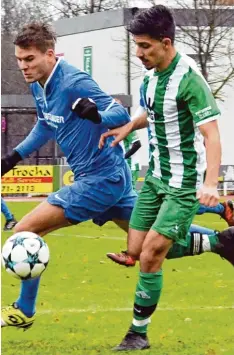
(109, 67)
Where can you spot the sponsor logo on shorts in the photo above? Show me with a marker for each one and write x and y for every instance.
(175, 229)
(59, 198)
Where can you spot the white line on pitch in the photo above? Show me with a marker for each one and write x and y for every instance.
(166, 309)
(87, 236)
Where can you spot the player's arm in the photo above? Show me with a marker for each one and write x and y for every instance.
(138, 121)
(90, 102)
(211, 135)
(122, 132)
(39, 135)
(205, 113)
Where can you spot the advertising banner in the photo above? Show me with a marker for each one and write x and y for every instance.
(28, 179)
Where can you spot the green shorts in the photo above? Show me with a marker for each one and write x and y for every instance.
(167, 210)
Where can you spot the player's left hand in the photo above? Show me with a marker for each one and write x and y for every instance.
(87, 109)
(208, 196)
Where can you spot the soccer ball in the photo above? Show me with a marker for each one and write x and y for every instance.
(25, 255)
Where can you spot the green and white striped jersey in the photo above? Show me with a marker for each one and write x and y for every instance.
(178, 100)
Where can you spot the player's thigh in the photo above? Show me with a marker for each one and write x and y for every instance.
(176, 214)
(146, 208)
(120, 213)
(122, 224)
(45, 217)
(89, 197)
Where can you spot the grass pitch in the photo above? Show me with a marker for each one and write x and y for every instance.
(85, 301)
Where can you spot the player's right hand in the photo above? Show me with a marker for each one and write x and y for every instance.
(208, 195)
(9, 161)
(119, 133)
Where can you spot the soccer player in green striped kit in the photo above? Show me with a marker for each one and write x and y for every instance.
(184, 143)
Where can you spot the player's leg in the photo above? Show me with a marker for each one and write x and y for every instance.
(44, 218)
(10, 220)
(171, 223)
(84, 200)
(148, 290)
(223, 209)
(122, 224)
(201, 240)
(136, 239)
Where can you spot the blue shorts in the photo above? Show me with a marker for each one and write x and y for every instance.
(100, 198)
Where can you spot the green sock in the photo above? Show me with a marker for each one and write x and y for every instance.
(197, 243)
(147, 295)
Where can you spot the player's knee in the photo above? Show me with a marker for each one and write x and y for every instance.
(149, 257)
(153, 254)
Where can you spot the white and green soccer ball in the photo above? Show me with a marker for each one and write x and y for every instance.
(25, 255)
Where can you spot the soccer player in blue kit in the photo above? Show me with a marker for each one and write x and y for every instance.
(72, 110)
(75, 112)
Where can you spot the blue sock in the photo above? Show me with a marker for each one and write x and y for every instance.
(28, 295)
(217, 209)
(202, 230)
(5, 210)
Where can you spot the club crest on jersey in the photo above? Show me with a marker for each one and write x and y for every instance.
(151, 115)
(168, 83)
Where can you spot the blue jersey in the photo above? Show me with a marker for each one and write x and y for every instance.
(78, 138)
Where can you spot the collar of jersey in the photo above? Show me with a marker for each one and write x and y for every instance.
(171, 66)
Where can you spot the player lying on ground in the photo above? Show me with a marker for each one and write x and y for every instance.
(102, 190)
(181, 111)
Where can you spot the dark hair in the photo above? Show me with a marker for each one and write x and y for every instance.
(36, 34)
(157, 22)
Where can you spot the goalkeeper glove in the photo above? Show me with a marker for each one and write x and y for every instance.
(87, 109)
(134, 148)
(9, 161)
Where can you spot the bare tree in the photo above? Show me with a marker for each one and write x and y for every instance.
(16, 13)
(210, 38)
(73, 8)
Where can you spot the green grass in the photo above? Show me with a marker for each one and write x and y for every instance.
(84, 304)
